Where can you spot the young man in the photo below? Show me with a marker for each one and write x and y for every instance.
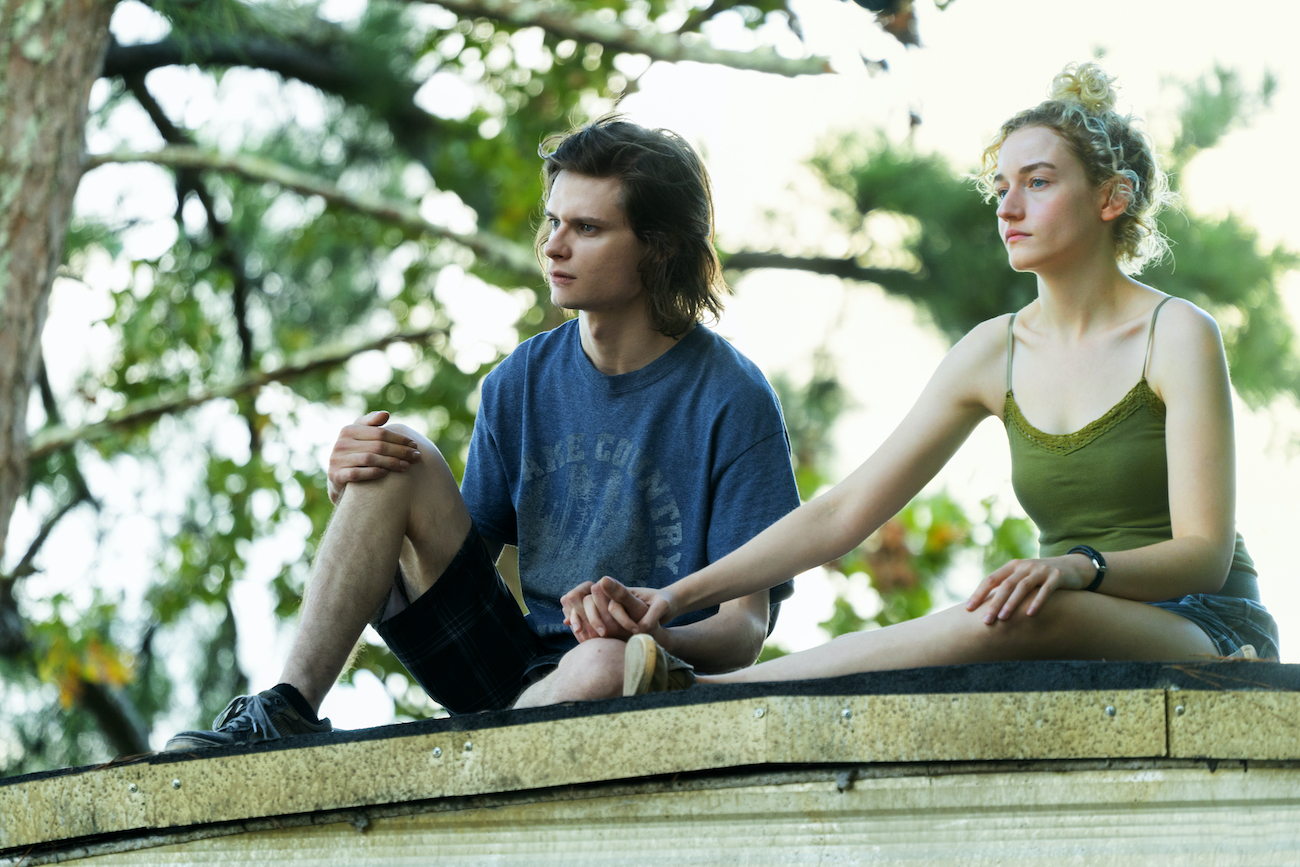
(627, 442)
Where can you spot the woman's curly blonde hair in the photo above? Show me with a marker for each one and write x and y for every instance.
(1081, 110)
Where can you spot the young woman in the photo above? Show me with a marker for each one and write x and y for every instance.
(1118, 409)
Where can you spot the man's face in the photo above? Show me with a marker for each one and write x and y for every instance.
(592, 250)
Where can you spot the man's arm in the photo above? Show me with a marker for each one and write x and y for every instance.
(728, 640)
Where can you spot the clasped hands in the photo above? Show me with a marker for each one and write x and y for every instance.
(608, 609)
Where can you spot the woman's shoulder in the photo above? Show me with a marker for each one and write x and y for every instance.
(986, 341)
(1186, 350)
(974, 370)
(1181, 324)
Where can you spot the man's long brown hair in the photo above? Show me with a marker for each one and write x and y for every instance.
(668, 202)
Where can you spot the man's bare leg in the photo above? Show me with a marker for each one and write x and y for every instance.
(593, 669)
(417, 517)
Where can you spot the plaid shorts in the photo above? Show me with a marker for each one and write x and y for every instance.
(465, 641)
(1229, 621)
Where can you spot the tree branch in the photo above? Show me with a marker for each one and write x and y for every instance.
(25, 567)
(333, 64)
(80, 491)
(560, 21)
(320, 66)
(229, 252)
(117, 718)
(56, 439)
(849, 269)
(701, 14)
(13, 628)
(113, 712)
(499, 251)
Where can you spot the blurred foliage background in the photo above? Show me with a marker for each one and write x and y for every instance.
(316, 240)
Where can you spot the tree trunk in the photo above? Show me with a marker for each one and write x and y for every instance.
(51, 52)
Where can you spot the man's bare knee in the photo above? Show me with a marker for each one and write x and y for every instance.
(592, 670)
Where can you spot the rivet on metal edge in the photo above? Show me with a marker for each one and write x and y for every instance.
(758, 712)
(133, 788)
(1180, 710)
(468, 746)
(1110, 710)
(437, 752)
(176, 784)
(846, 713)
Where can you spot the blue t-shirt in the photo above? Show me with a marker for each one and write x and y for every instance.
(647, 476)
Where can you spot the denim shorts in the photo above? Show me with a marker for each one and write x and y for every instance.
(1229, 621)
(465, 641)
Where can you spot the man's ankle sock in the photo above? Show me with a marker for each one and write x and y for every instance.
(295, 698)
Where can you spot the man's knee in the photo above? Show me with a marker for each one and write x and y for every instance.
(593, 669)
(594, 653)
(430, 478)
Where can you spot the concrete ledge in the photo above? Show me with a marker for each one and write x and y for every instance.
(964, 714)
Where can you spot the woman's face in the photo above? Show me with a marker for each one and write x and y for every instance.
(1049, 215)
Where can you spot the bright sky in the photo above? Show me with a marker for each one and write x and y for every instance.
(982, 61)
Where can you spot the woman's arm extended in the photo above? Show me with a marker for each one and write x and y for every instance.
(1189, 373)
(966, 388)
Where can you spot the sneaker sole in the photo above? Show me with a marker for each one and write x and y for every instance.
(185, 741)
(639, 665)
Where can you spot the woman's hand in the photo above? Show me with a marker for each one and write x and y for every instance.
(366, 450)
(661, 607)
(609, 609)
(1032, 580)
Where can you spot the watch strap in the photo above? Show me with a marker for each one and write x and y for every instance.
(1097, 560)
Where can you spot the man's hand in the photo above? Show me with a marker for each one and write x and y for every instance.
(604, 609)
(366, 450)
(573, 604)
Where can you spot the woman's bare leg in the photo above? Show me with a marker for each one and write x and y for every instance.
(1072, 625)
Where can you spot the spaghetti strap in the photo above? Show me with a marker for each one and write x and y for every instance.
(1151, 337)
(1011, 347)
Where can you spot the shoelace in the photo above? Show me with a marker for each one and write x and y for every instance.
(247, 711)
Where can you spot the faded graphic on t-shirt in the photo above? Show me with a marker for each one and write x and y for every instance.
(591, 507)
(645, 476)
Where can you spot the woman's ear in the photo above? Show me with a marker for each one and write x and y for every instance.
(1117, 195)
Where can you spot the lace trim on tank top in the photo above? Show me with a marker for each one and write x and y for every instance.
(1138, 396)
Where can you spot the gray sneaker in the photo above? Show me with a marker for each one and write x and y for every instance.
(249, 719)
(647, 667)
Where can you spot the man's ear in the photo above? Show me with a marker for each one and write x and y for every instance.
(1117, 195)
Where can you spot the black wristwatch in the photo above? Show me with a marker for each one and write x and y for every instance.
(1097, 560)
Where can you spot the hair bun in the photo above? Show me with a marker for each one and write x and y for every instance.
(1086, 84)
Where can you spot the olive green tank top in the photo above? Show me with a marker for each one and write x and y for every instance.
(1105, 485)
